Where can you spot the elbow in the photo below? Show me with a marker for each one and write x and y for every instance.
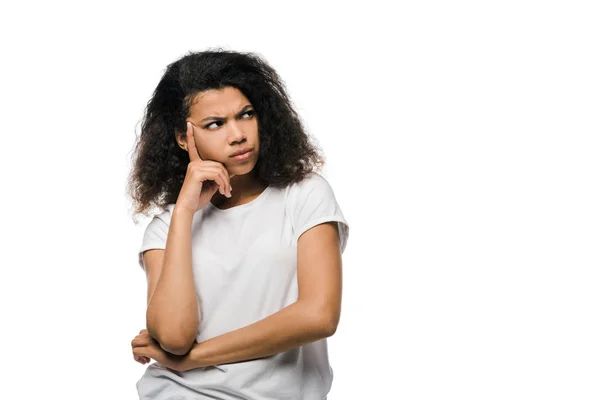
(177, 347)
(175, 344)
(327, 322)
(324, 317)
(173, 340)
(330, 326)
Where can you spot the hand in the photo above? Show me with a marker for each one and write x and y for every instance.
(145, 347)
(202, 179)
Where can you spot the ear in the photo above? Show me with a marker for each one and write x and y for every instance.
(181, 142)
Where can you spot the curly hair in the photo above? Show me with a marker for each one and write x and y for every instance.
(287, 152)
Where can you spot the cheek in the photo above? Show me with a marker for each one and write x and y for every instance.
(205, 147)
(211, 151)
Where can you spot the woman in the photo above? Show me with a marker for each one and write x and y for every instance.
(243, 264)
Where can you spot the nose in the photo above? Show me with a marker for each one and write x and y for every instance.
(236, 133)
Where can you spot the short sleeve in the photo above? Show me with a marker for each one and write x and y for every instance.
(155, 235)
(312, 202)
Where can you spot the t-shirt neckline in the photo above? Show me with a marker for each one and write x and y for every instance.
(244, 206)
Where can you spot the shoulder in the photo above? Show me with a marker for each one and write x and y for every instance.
(313, 202)
(164, 215)
(313, 192)
(167, 212)
(312, 183)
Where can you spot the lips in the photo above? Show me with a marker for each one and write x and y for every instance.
(242, 151)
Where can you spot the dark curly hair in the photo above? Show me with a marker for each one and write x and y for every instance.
(287, 152)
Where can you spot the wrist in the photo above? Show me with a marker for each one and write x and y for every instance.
(193, 359)
(181, 211)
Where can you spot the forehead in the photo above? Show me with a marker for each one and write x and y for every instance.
(218, 102)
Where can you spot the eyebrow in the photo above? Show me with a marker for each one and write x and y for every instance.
(224, 118)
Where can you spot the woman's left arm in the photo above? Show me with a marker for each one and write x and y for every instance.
(314, 316)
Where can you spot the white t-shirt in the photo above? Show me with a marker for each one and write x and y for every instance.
(244, 263)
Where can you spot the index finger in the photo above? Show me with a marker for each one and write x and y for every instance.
(192, 150)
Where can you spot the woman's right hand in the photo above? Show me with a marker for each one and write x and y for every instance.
(202, 179)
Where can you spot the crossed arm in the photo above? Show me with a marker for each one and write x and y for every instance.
(314, 316)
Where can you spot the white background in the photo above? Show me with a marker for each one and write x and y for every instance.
(462, 141)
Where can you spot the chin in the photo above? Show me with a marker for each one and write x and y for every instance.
(243, 169)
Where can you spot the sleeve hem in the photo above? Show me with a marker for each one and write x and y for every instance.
(342, 228)
(149, 246)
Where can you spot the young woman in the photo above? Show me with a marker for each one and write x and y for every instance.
(243, 263)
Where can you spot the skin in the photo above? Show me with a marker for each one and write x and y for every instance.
(314, 316)
(217, 138)
(316, 313)
(214, 132)
(222, 122)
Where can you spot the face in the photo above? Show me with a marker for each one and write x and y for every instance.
(224, 122)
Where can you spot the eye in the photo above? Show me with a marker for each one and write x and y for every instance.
(215, 122)
(250, 112)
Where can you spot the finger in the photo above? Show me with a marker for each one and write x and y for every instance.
(229, 181)
(221, 174)
(192, 149)
(145, 351)
(224, 174)
(142, 359)
(142, 352)
(140, 341)
(227, 177)
(215, 173)
(220, 165)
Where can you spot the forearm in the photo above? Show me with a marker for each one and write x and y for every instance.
(172, 313)
(293, 326)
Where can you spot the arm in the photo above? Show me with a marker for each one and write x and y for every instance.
(172, 313)
(313, 316)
